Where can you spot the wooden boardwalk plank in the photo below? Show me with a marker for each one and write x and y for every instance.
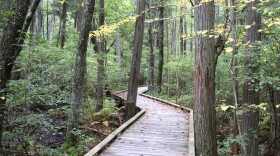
(162, 130)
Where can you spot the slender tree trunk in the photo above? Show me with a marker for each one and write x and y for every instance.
(181, 30)
(168, 58)
(276, 121)
(118, 48)
(10, 47)
(191, 40)
(63, 25)
(39, 22)
(235, 147)
(173, 40)
(250, 116)
(100, 59)
(160, 44)
(47, 21)
(204, 79)
(52, 22)
(130, 106)
(151, 46)
(79, 74)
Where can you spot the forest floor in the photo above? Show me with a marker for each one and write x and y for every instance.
(44, 132)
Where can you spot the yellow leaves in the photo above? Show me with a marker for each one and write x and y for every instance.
(247, 26)
(226, 107)
(106, 30)
(2, 97)
(278, 106)
(62, 1)
(219, 28)
(228, 49)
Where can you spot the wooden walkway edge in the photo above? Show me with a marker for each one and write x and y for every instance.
(98, 148)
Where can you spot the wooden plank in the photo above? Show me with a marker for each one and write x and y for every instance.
(113, 135)
(191, 124)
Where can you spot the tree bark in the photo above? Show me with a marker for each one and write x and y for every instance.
(204, 79)
(47, 21)
(151, 48)
(276, 122)
(118, 48)
(130, 106)
(235, 147)
(100, 59)
(160, 44)
(79, 14)
(52, 22)
(250, 116)
(39, 22)
(10, 47)
(63, 25)
(79, 74)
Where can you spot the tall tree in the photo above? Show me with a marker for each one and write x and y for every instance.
(79, 14)
(100, 59)
(150, 14)
(204, 80)
(79, 73)
(63, 19)
(250, 116)
(130, 106)
(234, 72)
(11, 44)
(160, 45)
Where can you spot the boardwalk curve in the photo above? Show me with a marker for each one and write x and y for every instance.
(164, 130)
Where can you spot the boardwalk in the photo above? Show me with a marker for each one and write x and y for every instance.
(162, 130)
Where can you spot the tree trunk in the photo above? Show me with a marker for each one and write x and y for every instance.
(173, 36)
(235, 147)
(47, 21)
(79, 74)
(276, 121)
(130, 106)
(204, 79)
(52, 23)
(63, 25)
(160, 44)
(151, 46)
(191, 27)
(250, 116)
(10, 47)
(39, 22)
(79, 14)
(100, 59)
(118, 48)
